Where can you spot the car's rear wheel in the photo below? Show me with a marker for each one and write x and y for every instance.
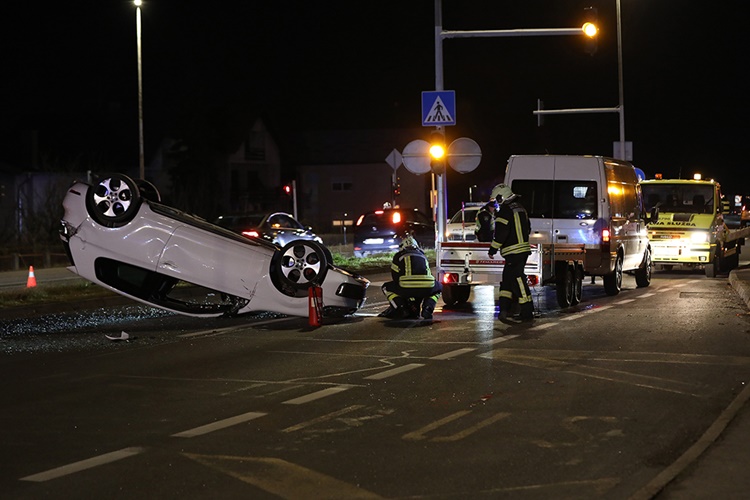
(299, 265)
(113, 201)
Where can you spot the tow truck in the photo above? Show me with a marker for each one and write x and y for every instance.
(690, 230)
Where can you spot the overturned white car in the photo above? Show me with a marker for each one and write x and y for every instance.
(118, 235)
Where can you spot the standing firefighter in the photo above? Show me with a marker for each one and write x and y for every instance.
(413, 284)
(511, 238)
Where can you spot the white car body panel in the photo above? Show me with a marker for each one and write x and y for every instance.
(198, 253)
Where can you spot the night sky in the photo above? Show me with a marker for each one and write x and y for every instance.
(70, 73)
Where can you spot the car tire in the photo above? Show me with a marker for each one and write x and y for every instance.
(298, 265)
(113, 201)
(643, 273)
(613, 280)
(455, 294)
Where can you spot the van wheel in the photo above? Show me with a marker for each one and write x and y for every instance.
(564, 285)
(643, 273)
(577, 285)
(613, 280)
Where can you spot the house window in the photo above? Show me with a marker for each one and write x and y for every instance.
(255, 146)
(341, 185)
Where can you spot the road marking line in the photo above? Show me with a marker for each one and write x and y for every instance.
(322, 418)
(315, 395)
(453, 354)
(89, 463)
(543, 326)
(504, 338)
(646, 295)
(221, 424)
(624, 301)
(419, 434)
(282, 479)
(471, 430)
(394, 371)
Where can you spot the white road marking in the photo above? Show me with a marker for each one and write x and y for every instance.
(323, 418)
(504, 338)
(646, 295)
(316, 395)
(89, 463)
(221, 424)
(394, 371)
(624, 301)
(543, 326)
(453, 354)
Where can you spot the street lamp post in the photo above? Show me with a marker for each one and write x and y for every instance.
(141, 163)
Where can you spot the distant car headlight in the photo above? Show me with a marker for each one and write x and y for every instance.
(699, 237)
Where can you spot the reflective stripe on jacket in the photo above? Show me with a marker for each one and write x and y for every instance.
(512, 230)
(410, 269)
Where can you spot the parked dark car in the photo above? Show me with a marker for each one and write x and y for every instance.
(381, 231)
(277, 227)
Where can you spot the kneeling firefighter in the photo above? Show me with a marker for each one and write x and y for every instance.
(511, 238)
(412, 283)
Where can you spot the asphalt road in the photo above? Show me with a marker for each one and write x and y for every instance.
(590, 402)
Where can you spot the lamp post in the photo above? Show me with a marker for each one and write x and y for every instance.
(141, 164)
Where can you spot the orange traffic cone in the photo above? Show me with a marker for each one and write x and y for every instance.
(31, 281)
(315, 305)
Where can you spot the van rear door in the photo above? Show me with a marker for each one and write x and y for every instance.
(562, 196)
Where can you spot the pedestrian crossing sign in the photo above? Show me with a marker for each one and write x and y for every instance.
(438, 108)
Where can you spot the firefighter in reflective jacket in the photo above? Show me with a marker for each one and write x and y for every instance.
(412, 284)
(511, 238)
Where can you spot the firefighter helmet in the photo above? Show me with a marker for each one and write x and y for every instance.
(501, 193)
(407, 242)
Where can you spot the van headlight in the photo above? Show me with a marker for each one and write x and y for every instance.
(699, 237)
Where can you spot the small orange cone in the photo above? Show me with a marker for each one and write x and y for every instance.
(315, 305)
(31, 281)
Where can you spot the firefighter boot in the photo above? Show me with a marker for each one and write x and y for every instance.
(527, 311)
(505, 308)
(412, 309)
(428, 307)
(396, 310)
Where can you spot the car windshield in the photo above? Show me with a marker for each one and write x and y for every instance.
(283, 221)
(466, 215)
(682, 198)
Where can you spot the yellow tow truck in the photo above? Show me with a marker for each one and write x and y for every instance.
(690, 230)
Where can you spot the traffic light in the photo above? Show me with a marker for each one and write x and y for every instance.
(437, 152)
(591, 29)
(396, 188)
(288, 189)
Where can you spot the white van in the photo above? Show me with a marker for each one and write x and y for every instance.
(588, 210)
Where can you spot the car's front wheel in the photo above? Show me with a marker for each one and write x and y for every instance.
(299, 265)
(113, 201)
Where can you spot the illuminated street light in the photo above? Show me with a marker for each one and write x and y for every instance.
(141, 163)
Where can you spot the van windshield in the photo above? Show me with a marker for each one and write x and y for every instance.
(546, 199)
(680, 198)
